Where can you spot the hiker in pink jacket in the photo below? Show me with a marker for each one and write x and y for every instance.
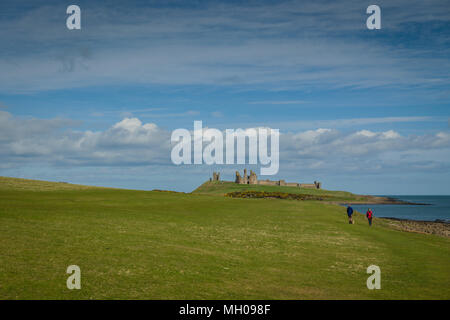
(369, 215)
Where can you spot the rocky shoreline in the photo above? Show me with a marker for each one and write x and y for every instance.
(438, 227)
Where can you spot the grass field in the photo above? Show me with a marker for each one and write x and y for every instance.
(160, 245)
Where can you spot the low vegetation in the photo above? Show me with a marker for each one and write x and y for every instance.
(276, 195)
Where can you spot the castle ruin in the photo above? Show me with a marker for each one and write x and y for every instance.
(253, 179)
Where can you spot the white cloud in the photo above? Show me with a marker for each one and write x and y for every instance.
(366, 133)
(129, 142)
(391, 134)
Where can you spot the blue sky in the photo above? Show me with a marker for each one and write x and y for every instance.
(361, 110)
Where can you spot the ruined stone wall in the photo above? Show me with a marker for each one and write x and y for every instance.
(308, 185)
(268, 183)
(292, 184)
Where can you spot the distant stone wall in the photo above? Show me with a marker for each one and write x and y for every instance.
(315, 185)
(308, 185)
(278, 183)
(292, 184)
(268, 183)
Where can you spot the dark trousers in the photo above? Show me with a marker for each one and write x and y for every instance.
(370, 221)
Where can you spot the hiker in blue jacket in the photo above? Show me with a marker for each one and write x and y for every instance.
(350, 214)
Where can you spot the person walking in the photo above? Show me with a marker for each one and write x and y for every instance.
(350, 214)
(369, 215)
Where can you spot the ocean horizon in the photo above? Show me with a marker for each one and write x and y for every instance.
(436, 207)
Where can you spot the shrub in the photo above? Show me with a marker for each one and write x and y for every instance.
(274, 195)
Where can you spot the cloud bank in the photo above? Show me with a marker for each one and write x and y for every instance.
(131, 143)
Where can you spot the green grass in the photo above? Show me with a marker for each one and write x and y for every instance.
(158, 245)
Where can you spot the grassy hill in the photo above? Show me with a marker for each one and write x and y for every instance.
(224, 187)
(162, 245)
(7, 183)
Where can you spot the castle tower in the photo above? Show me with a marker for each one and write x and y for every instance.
(238, 178)
(253, 179)
(216, 176)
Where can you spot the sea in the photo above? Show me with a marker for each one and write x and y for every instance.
(436, 208)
